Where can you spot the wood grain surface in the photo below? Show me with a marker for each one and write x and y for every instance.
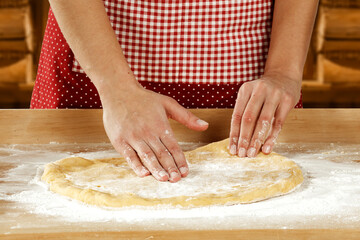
(256, 234)
(339, 23)
(85, 126)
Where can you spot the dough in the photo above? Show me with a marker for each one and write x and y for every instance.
(215, 178)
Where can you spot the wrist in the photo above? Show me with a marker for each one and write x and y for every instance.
(290, 69)
(280, 74)
(117, 87)
(289, 82)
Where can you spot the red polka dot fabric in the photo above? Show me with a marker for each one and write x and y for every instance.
(198, 52)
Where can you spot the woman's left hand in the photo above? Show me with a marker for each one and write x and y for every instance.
(261, 108)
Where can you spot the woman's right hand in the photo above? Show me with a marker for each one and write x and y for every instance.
(135, 119)
(136, 122)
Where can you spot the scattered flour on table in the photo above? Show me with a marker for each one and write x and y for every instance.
(330, 193)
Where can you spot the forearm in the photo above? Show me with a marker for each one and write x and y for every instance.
(88, 31)
(293, 22)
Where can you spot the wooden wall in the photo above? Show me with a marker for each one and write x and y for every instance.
(21, 28)
(336, 51)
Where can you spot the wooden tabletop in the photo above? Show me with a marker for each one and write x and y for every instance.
(255, 234)
(85, 126)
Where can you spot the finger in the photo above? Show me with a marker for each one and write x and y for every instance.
(263, 125)
(241, 101)
(166, 159)
(175, 111)
(248, 122)
(133, 160)
(173, 147)
(280, 116)
(149, 159)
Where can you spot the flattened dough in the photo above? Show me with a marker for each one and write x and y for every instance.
(215, 178)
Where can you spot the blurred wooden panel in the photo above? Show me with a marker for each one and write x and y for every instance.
(310, 64)
(10, 57)
(15, 23)
(331, 45)
(40, 14)
(15, 96)
(339, 23)
(21, 45)
(344, 69)
(18, 72)
(13, 3)
(341, 3)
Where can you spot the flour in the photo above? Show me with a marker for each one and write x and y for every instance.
(213, 176)
(329, 197)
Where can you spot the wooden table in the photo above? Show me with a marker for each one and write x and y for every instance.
(85, 126)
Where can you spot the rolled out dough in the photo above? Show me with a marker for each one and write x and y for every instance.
(215, 178)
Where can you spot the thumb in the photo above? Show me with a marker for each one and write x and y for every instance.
(180, 114)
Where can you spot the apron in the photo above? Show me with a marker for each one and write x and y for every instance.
(197, 52)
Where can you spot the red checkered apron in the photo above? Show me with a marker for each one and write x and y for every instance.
(198, 52)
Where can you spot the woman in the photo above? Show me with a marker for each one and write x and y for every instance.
(145, 61)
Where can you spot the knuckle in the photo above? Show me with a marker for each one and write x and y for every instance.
(174, 149)
(190, 116)
(234, 139)
(248, 117)
(118, 141)
(170, 100)
(264, 119)
(165, 132)
(172, 169)
(245, 87)
(236, 118)
(287, 98)
(256, 143)
(133, 164)
(278, 123)
(145, 131)
(276, 92)
(187, 116)
(130, 154)
(147, 155)
(163, 154)
(260, 85)
(131, 135)
(243, 142)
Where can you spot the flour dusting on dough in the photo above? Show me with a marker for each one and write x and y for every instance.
(216, 177)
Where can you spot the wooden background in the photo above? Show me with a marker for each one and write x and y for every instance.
(331, 74)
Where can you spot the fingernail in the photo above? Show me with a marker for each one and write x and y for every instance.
(233, 149)
(144, 171)
(201, 122)
(242, 152)
(266, 149)
(257, 143)
(173, 175)
(251, 152)
(183, 170)
(163, 174)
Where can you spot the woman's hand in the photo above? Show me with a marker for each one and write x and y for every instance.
(136, 122)
(260, 111)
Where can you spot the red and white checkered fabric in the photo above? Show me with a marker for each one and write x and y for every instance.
(183, 41)
(198, 52)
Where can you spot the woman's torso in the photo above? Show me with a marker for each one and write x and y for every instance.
(198, 52)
